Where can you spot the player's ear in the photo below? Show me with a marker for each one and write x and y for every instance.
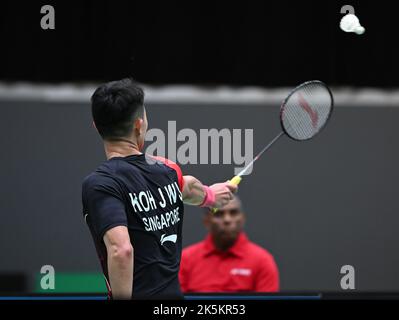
(138, 124)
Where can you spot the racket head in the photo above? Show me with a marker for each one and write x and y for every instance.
(306, 110)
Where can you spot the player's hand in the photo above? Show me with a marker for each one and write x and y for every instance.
(223, 193)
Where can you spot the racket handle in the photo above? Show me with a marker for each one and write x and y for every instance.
(236, 181)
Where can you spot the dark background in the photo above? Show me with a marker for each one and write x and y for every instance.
(264, 43)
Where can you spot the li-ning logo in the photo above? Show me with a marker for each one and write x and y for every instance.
(171, 238)
(314, 116)
(241, 272)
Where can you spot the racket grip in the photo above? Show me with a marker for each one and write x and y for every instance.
(236, 181)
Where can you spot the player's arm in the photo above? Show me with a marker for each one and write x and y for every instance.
(120, 262)
(198, 194)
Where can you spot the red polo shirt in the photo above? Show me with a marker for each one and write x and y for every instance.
(244, 267)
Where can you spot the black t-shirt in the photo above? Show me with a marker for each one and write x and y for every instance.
(146, 198)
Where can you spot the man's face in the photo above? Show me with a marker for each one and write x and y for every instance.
(227, 222)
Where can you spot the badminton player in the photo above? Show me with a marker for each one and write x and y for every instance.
(133, 203)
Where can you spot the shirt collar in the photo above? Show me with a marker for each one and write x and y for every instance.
(237, 249)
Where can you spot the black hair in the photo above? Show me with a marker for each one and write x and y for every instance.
(115, 105)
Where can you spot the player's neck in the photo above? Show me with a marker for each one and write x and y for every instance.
(121, 148)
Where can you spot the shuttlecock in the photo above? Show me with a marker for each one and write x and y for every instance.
(350, 23)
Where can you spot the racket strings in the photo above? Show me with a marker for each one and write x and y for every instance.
(306, 110)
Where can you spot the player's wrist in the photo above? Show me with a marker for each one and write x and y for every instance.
(209, 199)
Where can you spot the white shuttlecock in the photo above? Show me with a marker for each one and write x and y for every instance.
(350, 23)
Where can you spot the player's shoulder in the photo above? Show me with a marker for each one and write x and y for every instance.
(169, 163)
(92, 180)
(160, 159)
(103, 175)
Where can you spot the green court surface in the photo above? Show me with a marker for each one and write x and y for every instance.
(74, 283)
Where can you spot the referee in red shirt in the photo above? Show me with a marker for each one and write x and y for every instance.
(226, 261)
